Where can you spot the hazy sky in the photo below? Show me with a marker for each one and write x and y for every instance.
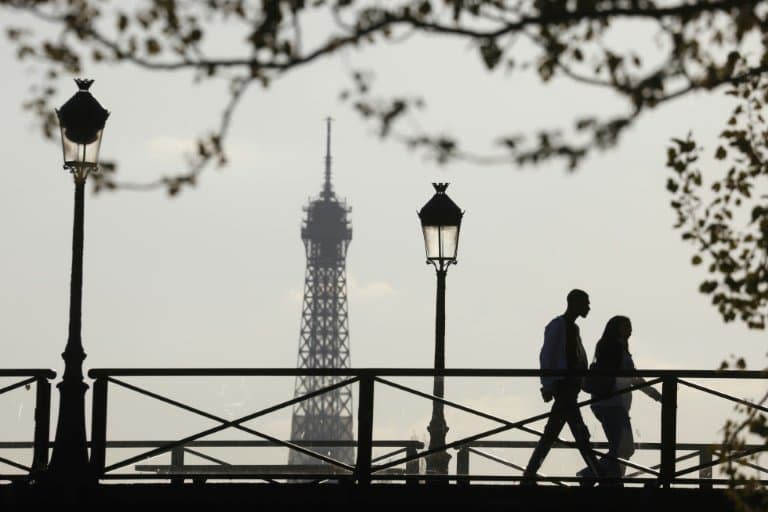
(213, 278)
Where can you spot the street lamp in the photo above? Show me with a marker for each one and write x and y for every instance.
(440, 222)
(82, 121)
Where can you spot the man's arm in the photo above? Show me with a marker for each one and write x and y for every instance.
(552, 355)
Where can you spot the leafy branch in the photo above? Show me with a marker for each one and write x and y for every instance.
(565, 38)
(736, 258)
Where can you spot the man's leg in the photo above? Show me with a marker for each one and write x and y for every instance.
(554, 426)
(581, 434)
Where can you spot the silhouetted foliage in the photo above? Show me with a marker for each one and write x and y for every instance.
(746, 491)
(697, 46)
(726, 219)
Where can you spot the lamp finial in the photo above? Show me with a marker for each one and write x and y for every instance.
(83, 83)
(440, 187)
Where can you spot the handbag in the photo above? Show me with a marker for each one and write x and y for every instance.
(599, 385)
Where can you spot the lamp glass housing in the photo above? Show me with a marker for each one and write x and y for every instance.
(441, 242)
(440, 224)
(82, 120)
(78, 154)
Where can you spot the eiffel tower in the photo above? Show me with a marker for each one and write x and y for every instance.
(324, 335)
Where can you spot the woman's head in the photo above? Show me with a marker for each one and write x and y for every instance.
(618, 328)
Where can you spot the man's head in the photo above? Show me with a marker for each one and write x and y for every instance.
(578, 303)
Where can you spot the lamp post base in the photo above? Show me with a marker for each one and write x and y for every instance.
(437, 463)
(69, 460)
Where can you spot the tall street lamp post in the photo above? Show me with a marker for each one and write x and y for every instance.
(82, 121)
(440, 223)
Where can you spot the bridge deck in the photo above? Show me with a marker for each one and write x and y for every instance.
(510, 498)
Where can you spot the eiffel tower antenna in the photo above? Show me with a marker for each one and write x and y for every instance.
(327, 185)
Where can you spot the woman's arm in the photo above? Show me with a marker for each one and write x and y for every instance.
(637, 381)
(648, 390)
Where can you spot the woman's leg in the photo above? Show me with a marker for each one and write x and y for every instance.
(627, 443)
(610, 418)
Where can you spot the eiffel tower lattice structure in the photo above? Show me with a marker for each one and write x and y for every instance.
(324, 336)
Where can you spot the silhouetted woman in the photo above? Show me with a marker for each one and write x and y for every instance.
(612, 354)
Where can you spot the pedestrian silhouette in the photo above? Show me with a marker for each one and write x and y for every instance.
(562, 350)
(612, 354)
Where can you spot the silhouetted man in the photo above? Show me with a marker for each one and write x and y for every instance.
(562, 350)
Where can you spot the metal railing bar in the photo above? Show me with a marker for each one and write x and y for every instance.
(315, 482)
(717, 481)
(497, 418)
(494, 458)
(656, 466)
(571, 444)
(209, 458)
(227, 424)
(19, 445)
(506, 425)
(29, 372)
(487, 433)
(242, 428)
(14, 464)
(304, 476)
(453, 444)
(722, 460)
(19, 384)
(412, 372)
(298, 448)
(442, 400)
(598, 444)
(754, 466)
(724, 395)
(376, 444)
(510, 478)
(262, 412)
(206, 457)
(748, 464)
(234, 443)
(388, 454)
(505, 462)
(170, 446)
(233, 476)
(568, 444)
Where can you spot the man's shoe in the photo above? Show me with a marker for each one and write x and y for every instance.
(587, 477)
(529, 480)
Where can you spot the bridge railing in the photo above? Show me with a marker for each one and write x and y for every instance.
(400, 464)
(41, 380)
(702, 452)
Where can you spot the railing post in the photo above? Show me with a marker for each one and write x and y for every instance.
(462, 464)
(668, 430)
(364, 430)
(705, 457)
(412, 466)
(99, 427)
(42, 424)
(177, 464)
